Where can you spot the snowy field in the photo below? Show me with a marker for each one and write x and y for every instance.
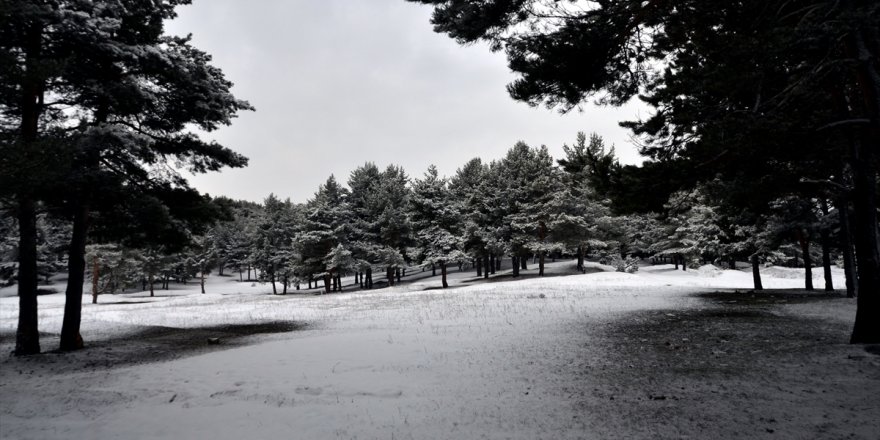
(555, 357)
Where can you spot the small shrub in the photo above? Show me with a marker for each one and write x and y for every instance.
(629, 264)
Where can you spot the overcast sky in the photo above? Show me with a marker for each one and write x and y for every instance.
(337, 83)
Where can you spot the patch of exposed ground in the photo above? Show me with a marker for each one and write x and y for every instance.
(744, 367)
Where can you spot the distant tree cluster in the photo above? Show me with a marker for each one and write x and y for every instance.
(523, 206)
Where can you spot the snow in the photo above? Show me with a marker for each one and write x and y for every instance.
(482, 360)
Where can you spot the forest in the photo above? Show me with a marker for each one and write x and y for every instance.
(525, 206)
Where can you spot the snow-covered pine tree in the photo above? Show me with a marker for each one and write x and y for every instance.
(112, 268)
(531, 182)
(325, 224)
(364, 237)
(338, 262)
(692, 228)
(392, 225)
(470, 189)
(203, 254)
(273, 239)
(437, 222)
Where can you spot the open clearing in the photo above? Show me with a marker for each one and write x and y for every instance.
(657, 354)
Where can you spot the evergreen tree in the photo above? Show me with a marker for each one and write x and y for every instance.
(324, 227)
(692, 231)
(437, 223)
(131, 93)
(364, 238)
(272, 247)
(531, 181)
(471, 190)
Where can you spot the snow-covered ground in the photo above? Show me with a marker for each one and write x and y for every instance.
(480, 360)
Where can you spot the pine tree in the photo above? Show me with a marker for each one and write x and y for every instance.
(131, 92)
(531, 182)
(364, 238)
(692, 230)
(325, 226)
(437, 221)
(273, 243)
(471, 190)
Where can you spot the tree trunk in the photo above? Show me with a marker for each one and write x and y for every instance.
(846, 244)
(96, 275)
(580, 256)
(808, 262)
(866, 329)
(675, 260)
(327, 283)
(369, 277)
(825, 236)
(514, 262)
(240, 279)
(397, 274)
(27, 336)
(486, 266)
(274, 289)
(541, 264)
(492, 264)
(151, 281)
(523, 262)
(443, 273)
(433, 270)
(479, 264)
(202, 279)
(756, 272)
(76, 266)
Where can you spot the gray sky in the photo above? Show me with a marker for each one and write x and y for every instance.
(337, 83)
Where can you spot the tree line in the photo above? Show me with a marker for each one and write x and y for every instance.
(523, 206)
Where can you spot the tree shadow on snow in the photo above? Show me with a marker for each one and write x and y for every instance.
(525, 275)
(155, 344)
